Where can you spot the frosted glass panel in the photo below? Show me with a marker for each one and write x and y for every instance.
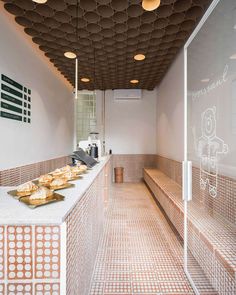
(211, 88)
(211, 83)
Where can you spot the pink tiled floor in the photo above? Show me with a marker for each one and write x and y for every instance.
(139, 253)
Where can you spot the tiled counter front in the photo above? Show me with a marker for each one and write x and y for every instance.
(84, 227)
(55, 259)
(30, 261)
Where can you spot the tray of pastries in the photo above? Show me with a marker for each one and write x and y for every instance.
(60, 183)
(42, 196)
(25, 189)
(57, 173)
(41, 192)
(69, 172)
(70, 175)
(45, 179)
(53, 183)
(75, 170)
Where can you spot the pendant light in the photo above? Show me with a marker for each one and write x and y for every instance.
(139, 56)
(150, 5)
(70, 54)
(40, 1)
(85, 80)
(134, 81)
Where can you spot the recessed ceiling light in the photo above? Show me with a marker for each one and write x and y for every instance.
(139, 56)
(205, 80)
(233, 56)
(40, 1)
(70, 54)
(86, 80)
(134, 81)
(150, 5)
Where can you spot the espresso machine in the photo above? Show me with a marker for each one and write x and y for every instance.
(92, 146)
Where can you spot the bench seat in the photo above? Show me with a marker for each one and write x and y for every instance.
(207, 233)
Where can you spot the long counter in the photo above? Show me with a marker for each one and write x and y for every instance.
(52, 249)
(14, 212)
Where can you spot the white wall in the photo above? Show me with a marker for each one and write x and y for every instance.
(130, 126)
(50, 134)
(170, 112)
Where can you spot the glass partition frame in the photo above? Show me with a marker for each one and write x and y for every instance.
(187, 175)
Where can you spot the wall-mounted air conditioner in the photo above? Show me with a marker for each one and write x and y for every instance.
(127, 94)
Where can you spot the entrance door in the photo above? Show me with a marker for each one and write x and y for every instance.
(210, 151)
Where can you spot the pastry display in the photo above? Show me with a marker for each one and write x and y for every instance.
(41, 194)
(58, 182)
(45, 179)
(26, 188)
(42, 191)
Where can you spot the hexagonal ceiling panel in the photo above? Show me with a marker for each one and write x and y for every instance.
(106, 34)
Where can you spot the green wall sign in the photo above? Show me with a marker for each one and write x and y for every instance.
(12, 99)
(15, 100)
(10, 116)
(12, 82)
(10, 107)
(11, 90)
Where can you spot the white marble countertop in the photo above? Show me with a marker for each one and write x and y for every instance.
(14, 212)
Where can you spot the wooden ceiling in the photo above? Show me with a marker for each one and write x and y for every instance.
(106, 34)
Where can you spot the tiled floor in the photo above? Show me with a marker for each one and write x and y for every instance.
(138, 253)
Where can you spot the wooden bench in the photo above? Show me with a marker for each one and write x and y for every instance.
(211, 241)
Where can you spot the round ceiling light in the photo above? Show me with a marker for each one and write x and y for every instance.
(86, 80)
(139, 56)
(40, 1)
(70, 54)
(150, 5)
(134, 81)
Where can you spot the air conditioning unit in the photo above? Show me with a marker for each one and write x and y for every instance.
(127, 94)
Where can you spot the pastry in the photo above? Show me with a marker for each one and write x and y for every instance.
(69, 175)
(83, 168)
(58, 182)
(41, 194)
(65, 169)
(26, 188)
(45, 179)
(57, 173)
(75, 169)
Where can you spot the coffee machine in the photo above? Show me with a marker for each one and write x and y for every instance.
(92, 145)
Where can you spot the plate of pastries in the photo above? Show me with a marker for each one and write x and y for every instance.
(53, 183)
(34, 195)
(42, 191)
(24, 190)
(42, 196)
(73, 171)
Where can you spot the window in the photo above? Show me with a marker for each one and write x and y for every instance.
(86, 120)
